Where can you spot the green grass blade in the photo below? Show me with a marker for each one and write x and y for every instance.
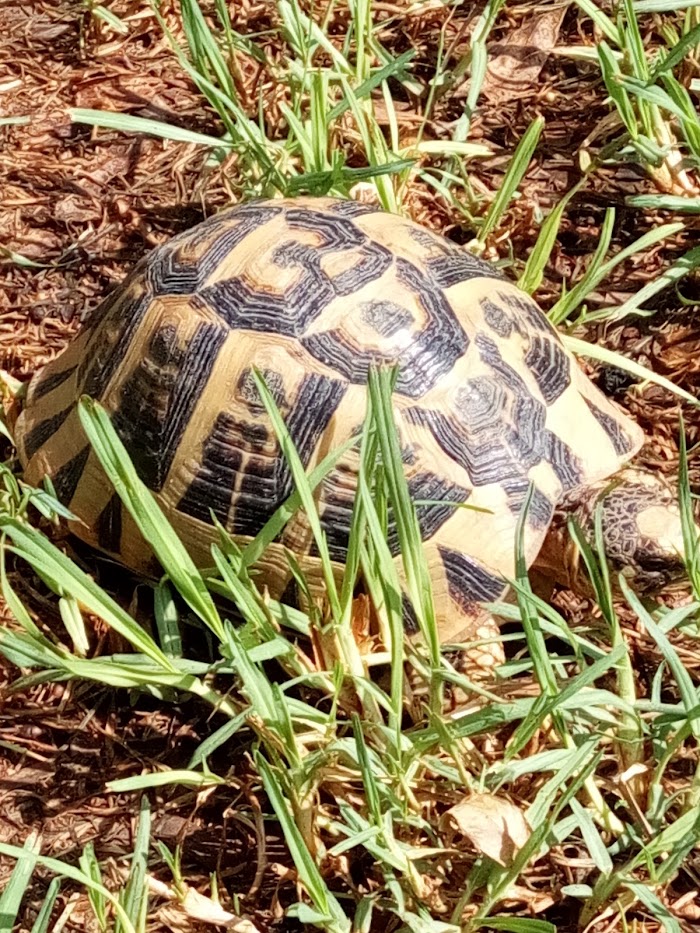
(305, 35)
(217, 739)
(652, 94)
(664, 6)
(634, 43)
(41, 924)
(74, 624)
(60, 868)
(687, 264)
(125, 123)
(691, 540)
(516, 925)
(274, 525)
(599, 269)
(16, 888)
(680, 673)
(602, 21)
(571, 300)
(174, 777)
(687, 111)
(408, 531)
(333, 919)
(613, 78)
(676, 55)
(206, 53)
(476, 63)
(597, 352)
(530, 619)
(365, 88)
(135, 895)
(301, 483)
(382, 580)
(14, 603)
(167, 620)
(62, 575)
(532, 276)
(517, 167)
(147, 514)
(91, 867)
(656, 908)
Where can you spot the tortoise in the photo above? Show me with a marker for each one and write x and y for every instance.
(490, 406)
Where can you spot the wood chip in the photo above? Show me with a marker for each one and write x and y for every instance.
(514, 67)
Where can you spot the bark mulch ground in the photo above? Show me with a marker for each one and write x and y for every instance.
(80, 206)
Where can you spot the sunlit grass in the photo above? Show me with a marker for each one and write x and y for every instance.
(390, 759)
(660, 122)
(547, 749)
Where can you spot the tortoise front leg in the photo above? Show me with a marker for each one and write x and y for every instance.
(460, 587)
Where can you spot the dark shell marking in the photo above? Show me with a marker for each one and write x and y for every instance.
(247, 390)
(182, 266)
(385, 317)
(109, 525)
(468, 581)
(42, 433)
(431, 353)
(540, 509)
(158, 397)
(51, 382)
(68, 476)
(431, 517)
(615, 431)
(243, 463)
(117, 328)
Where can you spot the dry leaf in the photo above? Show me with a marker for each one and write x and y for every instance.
(199, 907)
(493, 825)
(516, 65)
(537, 901)
(361, 623)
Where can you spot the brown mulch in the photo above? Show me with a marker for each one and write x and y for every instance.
(83, 205)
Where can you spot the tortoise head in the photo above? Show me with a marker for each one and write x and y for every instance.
(642, 533)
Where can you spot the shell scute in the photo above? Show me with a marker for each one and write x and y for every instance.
(154, 402)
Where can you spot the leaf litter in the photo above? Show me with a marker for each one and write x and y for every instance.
(80, 206)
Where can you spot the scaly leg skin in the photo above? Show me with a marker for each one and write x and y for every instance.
(481, 654)
(474, 650)
(462, 620)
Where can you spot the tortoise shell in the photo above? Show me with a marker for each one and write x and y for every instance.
(311, 291)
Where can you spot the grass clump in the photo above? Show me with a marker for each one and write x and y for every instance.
(347, 777)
